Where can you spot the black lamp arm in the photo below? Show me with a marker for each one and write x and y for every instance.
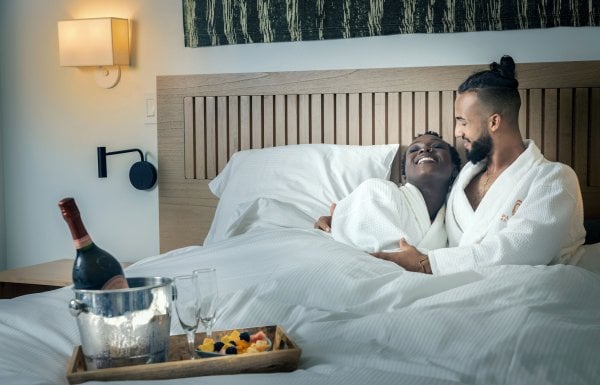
(130, 150)
(102, 154)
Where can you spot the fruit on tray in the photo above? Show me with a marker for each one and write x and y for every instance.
(237, 343)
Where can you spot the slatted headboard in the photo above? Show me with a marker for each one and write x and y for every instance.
(204, 119)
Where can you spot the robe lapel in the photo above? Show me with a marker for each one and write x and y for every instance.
(501, 194)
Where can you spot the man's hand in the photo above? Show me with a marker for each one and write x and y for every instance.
(409, 258)
(324, 222)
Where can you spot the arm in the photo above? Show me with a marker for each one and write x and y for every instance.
(409, 258)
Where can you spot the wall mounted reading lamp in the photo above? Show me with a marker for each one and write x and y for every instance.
(142, 174)
(102, 43)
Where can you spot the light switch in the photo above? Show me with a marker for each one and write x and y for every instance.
(150, 108)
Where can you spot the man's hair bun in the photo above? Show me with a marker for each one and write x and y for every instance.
(506, 67)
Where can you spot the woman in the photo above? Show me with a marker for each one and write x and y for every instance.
(377, 213)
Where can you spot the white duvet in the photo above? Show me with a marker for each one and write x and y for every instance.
(357, 319)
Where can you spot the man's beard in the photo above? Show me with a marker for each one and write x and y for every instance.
(480, 149)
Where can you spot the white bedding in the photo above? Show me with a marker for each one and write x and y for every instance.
(357, 319)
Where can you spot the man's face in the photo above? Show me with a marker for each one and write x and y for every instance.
(471, 127)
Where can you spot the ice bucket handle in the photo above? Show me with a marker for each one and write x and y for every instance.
(76, 307)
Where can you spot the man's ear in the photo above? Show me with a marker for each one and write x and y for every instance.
(494, 122)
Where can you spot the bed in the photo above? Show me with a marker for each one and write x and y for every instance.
(277, 149)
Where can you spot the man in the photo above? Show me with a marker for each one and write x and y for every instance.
(509, 204)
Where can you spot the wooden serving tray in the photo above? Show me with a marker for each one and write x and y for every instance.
(283, 357)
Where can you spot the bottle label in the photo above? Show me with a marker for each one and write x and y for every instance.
(82, 242)
(116, 282)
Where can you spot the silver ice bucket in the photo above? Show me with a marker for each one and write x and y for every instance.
(126, 326)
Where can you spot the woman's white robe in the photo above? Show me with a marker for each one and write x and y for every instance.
(378, 213)
(532, 214)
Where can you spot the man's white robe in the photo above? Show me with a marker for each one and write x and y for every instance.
(532, 214)
(378, 213)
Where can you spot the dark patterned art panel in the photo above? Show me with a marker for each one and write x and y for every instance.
(220, 22)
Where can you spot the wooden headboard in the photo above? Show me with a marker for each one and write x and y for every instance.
(204, 119)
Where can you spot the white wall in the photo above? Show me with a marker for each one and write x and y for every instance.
(53, 118)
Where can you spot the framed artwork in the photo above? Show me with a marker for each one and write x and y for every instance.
(221, 22)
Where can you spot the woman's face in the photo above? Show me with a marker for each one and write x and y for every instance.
(428, 157)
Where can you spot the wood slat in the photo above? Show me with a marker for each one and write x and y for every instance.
(594, 140)
(268, 123)
(523, 113)
(304, 119)
(565, 126)
(234, 125)
(447, 118)
(366, 121)
(199, 128)
(211, 137)
(292, 119)
(222, 132)
(419, 114)
(189, 143)
(580, 135)
(353, 119)
(379, 118)
(280, 129)
(433, 112)
(316, 118)
(551, 124)
(341, 121)
(535, 117)
(245, 123)
(393, 117)
(406, 121)
(328, 118)
(256, 127)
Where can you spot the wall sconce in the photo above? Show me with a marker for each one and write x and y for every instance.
(142, 174)
(103, 43)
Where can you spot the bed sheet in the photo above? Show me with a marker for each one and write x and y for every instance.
(357, 319)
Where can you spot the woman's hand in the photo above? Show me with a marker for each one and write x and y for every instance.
(324, 222)
(409, 258)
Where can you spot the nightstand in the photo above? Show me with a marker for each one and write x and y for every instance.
(36, 278)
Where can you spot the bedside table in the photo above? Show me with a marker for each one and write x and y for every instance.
(36, 278)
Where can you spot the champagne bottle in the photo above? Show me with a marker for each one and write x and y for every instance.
(94, 268)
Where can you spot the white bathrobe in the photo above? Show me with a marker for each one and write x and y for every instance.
(532, 214)
(378, 213)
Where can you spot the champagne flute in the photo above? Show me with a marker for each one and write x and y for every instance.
(185, 298)
(206, 284)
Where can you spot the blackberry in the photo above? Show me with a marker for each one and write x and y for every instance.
(231, 350)
(245, 336)
(218, 346)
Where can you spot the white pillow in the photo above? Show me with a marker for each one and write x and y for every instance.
(309, 176)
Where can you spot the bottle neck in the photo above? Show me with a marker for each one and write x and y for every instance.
(83, 243)
(70, 212)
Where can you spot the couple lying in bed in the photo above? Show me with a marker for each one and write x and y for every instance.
(508, 205)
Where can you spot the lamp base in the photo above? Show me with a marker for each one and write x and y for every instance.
(108, 77)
